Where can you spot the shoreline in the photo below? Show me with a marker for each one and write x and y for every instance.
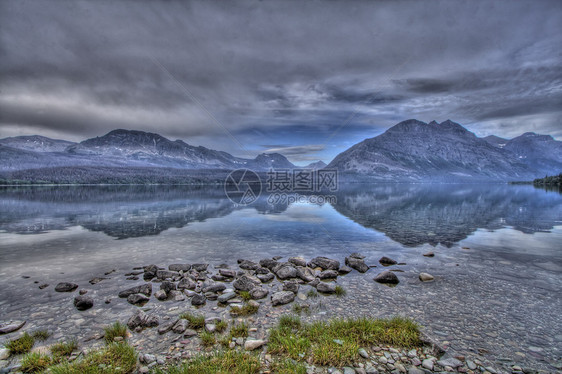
(241, 275)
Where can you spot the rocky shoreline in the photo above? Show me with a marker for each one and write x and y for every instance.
(256, 293)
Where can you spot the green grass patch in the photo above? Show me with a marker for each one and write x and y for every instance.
(115, 330)
(41, 335)
(115, 358)
(207, 339)
(245, 295)
(22, 344)
(288, 366)
(301, 308)
(221, 326)
(35, 363)
(244, 310)
(239, 331)
(64, 349)
(336, 342)
(312, 293)
(340, 291)
(196, 321)
(221, 362)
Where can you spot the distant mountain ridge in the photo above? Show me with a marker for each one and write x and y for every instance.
(125, 148)
(411, 150)
(414, 150)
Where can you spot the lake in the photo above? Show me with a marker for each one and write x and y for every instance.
(497, 292)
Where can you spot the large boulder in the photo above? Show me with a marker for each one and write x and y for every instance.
(426, 277)
(324, 263)
(6, 328)
(264, 278)
(83, 302)
(145, 289)
(357, 264)
(387, 277)
(281, 298)
(66, 287)
(246, 283)
(229, 273)
(291, 286)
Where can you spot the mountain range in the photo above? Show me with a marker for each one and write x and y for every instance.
(412, 150)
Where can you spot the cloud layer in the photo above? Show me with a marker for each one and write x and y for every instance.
(313, 77)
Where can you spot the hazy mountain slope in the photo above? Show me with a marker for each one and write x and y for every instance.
(541, 152)
(36, 143)
(316, 165)
(414, 150)
(496, 141)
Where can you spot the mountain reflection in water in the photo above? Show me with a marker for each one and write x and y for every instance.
(411, 214)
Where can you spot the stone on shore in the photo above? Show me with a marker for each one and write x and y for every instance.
(326, 287)
(357, 264)
(425, 277)
(324, 263)
(429, 254)
(200, 267)
(83, 302)
(258, 293)
(229, 273)
(215, 287)
(305, 274)
(246, 283)
(248, 265)
(386, 277)
(179, 267)
(252, 344)
(161, 295)
(180, 326)
(285, 271)
(167, 286)
(298, 261)
(198, 300)
(145, 289)
(268, 263)
(6, 328)
(166, 274)
(328, 274)
(141, 319)
(186, 283)
(387, 261)
(137, 299)
(282, 297)
(227, 296)
(150, 272)
(66, 287)
(291, 286)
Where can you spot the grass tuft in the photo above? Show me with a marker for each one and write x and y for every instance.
(41, 335)
(245, 295)
(22, 344)
(224, 362)
(115, 358)
(196, 321)
(207, 339)
(300, 308)
(312, 293)
(340, 291)
(336, 342)
(221, 326)
(288, 366)
(115, 330)
(245, 310)
(35, 363)
(64, 349)
(239, 331)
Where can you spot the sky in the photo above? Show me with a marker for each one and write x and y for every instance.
(307, 79)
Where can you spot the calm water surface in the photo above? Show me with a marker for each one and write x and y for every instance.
(498, 263)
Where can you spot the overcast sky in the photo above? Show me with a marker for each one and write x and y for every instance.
(307, 79)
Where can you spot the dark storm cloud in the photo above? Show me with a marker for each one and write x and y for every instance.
(299, 74)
